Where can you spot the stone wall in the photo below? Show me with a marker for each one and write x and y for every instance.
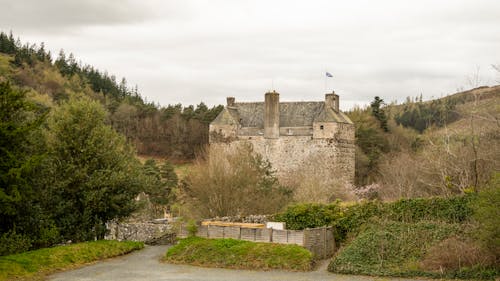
(148, 232)
(246, 219)
(288, 154)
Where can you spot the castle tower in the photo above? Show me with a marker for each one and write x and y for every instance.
(272, 115)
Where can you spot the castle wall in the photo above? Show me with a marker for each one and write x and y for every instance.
(295, 131)
(290, 153)
(222, 133)
(322, 130)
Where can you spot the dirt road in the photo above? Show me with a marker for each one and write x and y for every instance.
(145, 265)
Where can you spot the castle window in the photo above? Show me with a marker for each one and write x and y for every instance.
(289, 131)
(321, 127)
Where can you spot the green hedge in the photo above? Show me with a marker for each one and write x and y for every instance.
(310, 215)
(348, 219)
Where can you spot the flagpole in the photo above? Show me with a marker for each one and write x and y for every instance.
(324, 75)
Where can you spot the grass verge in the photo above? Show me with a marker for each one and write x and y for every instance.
(231, 253)
(39, 263)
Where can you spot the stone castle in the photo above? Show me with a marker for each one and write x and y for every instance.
(291, 135)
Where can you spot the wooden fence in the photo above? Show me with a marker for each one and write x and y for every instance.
(319, 241)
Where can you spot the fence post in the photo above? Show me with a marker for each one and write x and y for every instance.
(304, 237)
(324, 243)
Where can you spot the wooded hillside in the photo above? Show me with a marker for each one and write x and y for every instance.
(174, 131)
(421, 148)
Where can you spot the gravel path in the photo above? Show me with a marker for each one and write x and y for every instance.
(145, 265)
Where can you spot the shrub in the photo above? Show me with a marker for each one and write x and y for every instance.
(390, 248)
(309, 215)
(231, 253)
(487, 214)
(192, 228)
(451, 210)
(12, 243)
(456, 256)
(348, 218)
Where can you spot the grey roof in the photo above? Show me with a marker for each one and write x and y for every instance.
(292, 114)
(226, 117)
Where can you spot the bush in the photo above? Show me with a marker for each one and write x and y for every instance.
(231, 253)
(12, 243)
(390, 248)
(348, 218)
(487, 214)
(192, 228)
(451, 210)
(459, 257)
(310, 215)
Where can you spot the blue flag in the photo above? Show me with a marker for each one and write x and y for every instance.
(328, 74)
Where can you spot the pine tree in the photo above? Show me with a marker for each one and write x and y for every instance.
(379, 113)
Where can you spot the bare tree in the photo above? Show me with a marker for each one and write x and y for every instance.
(497, 68)
(229, 181)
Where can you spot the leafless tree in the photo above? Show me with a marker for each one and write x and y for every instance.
(230, 181)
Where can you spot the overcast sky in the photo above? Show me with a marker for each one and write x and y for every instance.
(192, 51)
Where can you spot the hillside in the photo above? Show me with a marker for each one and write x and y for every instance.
(438, 147)
(175, 131)
(462, 127)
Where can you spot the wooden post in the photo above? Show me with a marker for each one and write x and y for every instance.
(324, 243)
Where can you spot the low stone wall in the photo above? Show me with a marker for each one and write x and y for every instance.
(245, 219)
(152, 232)
(319, 241)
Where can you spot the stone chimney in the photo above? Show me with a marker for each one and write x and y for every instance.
(230, 101)
(272, 115)
(332, 101)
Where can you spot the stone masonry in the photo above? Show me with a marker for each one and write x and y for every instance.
(291, 135)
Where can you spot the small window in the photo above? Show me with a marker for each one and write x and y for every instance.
(321, 127)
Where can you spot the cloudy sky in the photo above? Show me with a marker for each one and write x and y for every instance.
(192, 51)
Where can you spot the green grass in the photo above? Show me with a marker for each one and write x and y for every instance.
(37, 264)
(182, 169)
(230, 253)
